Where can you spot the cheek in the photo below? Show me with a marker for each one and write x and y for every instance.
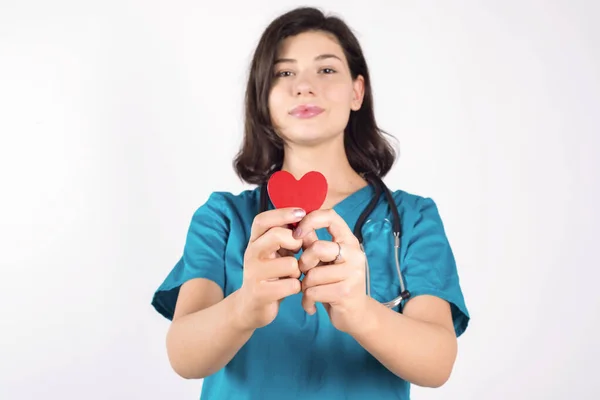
(339, 95)
(277, 107)
(339, 98)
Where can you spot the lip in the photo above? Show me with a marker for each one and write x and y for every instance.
(306, 111)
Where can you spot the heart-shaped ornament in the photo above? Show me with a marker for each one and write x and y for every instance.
(308, 193)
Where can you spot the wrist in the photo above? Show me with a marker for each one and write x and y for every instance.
(368, 321)
(238, 315)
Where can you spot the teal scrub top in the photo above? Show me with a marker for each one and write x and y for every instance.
(302, 356)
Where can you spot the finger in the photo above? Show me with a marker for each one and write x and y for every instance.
(279, 289)
(331, 293)
(309, 305)
(328, 219)
(274, 239)
(282, 267)
(326, 275)
(287, 253)
(278, 217)
(323, 276)
(308, 239)
(321, 250)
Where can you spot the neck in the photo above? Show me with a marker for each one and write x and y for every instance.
(330, 160)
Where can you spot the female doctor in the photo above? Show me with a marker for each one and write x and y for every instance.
(264, 311)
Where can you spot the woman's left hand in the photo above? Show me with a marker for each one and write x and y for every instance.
(334, 270)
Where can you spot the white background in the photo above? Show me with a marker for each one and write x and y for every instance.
(118, 118)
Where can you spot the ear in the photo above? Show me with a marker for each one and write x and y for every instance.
(358, 93)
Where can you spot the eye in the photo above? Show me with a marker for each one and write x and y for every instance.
(282, 74)
(328, 71)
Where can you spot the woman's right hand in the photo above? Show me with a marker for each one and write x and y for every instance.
(270, 273)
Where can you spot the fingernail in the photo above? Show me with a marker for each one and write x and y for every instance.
(299, 213)
(297, 233)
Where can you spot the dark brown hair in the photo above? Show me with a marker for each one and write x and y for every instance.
(261, 152)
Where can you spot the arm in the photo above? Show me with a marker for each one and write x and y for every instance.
(205, 333)
(419, 345)
(208, 330)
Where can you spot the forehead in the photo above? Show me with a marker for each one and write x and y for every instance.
(309, 44)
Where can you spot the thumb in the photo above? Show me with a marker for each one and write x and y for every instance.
(309, 239)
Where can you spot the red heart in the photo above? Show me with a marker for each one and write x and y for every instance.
(308, 193)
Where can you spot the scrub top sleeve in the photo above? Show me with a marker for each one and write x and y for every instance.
(430, 266)
(203, 254)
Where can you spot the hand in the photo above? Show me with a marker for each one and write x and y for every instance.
(338, 283)
(270, 273)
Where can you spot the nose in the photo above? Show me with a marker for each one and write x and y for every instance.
(303, 86)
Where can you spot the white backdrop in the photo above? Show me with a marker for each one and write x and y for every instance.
(118, 118)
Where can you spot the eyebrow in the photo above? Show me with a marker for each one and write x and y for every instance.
(317, 58)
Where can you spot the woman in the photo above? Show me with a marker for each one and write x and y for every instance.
(261, 310)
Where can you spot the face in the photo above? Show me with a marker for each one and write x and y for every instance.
(313, 91)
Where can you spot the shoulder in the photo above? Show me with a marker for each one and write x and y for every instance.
(223, 212)
(230, 204)
(414, 207)
(420, 216)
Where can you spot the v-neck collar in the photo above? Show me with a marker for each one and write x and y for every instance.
(350, 203)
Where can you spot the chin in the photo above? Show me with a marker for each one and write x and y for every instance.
(309, 137)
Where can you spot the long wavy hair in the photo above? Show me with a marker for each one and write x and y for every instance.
(261, 152)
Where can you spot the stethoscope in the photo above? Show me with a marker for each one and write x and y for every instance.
(379, 187)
